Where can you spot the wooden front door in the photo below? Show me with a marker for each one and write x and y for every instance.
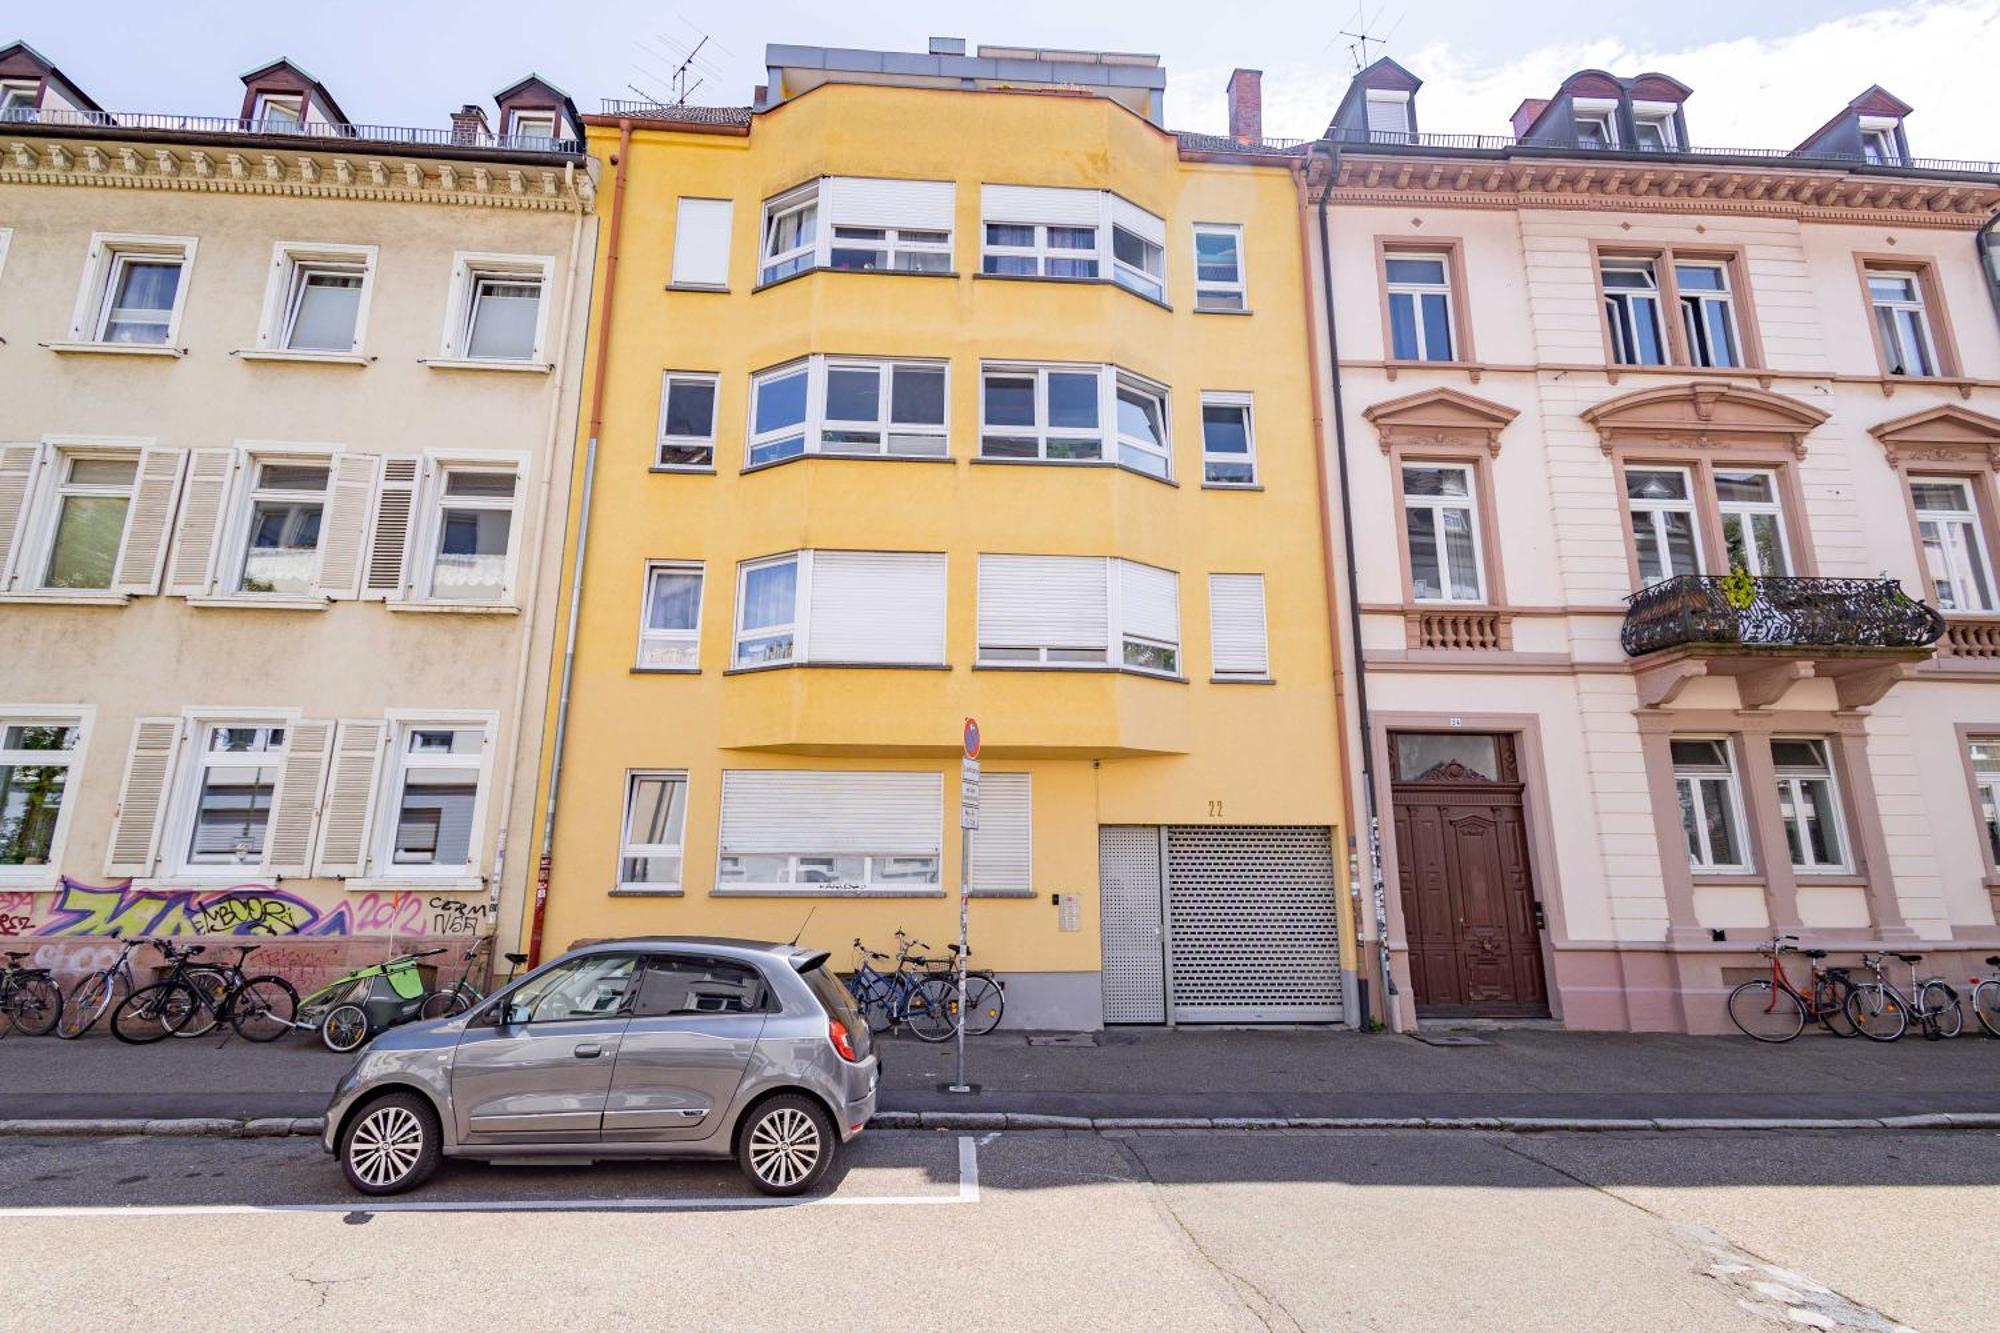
(1469, 905)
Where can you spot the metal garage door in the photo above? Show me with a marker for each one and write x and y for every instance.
(1252, 925)
(1134, 955)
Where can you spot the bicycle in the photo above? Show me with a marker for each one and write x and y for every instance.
(461, 995)
(30, 1000)
(1986, 999)
(90, 999)
(895, 997)
(259, 1008)
(985, 997)
(1883, 1012)
(1772, 1009)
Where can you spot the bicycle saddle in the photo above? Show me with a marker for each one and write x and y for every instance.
(517, 959)
(245, 950)
(17, 953)
(1908, 957)
(1813, 953)
(1994, 961)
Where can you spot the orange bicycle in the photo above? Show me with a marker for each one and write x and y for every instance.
(1772, 1009)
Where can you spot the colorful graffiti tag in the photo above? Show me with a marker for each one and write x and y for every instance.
(80, 909)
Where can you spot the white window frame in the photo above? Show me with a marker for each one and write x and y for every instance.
(518, 137)
(77, 716)
(1414, 293)
(797, 627)
(791, 201)
(263, 122)
(1986, 785)
(468, 270)
(103, 264)
(1111, 655)
(402, 722)
(648, 633)
(1468, 504)
(1103, 253)
(1960, 539)
(178, 836)
(292, 262)
(428, 531)
(1878, 141)
(1791, 785)
(1658, 116)
(1625, 299)
(1044, 253)
(1694, 303)
(37, 545)
(895, 243)
(1137, 277)
(817, 424)
(1745, 510)
(628, 850)
(1231, 296)
(1248, 458)
(668, 379)
(234, 544)
(1600, 111)
(1110, 379)
(1386, 97)
(1649, 511)
(1913, 304)
(1163, 452)
(1703, 862)
(793, 886)
(24, 111)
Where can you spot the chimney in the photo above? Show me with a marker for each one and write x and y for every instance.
(1526, 113)
(468, 125)
(1246, 106)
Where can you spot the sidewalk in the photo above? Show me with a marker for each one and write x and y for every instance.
(1203, 1073)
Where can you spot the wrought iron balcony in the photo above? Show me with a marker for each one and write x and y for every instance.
(1836, 616)
(312, 134)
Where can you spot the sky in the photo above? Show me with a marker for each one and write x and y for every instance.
(1765, 72)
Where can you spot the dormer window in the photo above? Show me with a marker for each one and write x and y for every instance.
(1596, 123)
(18, 99)
(1388, 116)
(1653, 127)
(274, 114)
(1878, 142)
(532, 129)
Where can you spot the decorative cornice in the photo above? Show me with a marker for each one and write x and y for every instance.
(1704, 414)
(1944, 434)
(1439, 416)
(315, 174)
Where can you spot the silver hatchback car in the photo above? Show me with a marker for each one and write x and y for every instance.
(657, 1047)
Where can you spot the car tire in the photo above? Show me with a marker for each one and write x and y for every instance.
(391, 1144)
(786, 1145)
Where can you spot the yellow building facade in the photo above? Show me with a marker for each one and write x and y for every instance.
(909, 410)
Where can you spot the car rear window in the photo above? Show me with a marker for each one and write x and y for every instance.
(834, 997)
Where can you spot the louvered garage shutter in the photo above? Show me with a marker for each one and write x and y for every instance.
(854, 201)
(1003, 844)
(1041, 203)
(891, 814)
(877, 606)
(701, 241)
(1237, 635)
(1138, 221)
(1149, 601)
(1043, 601)
(1254, 925)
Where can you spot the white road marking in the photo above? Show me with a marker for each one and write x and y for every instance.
(968, 1192)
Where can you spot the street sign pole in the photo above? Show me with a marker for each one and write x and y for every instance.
(968, 820)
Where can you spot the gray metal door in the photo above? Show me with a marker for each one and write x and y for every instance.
(1135, 987)
(1253, 925)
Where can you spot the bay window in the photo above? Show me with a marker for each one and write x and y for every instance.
(1058, 414)
(878, 608)
(850, 407)
(858, 224)
(1055, 232)
(1078, 611)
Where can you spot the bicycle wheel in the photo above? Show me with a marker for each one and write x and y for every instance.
(1832, 1006)
(931, 1009)
(453, 999)
(1765, 1012)
(213, 989)
(263, 1009)
(35, 1006)
(873, 1002)
(344, 1028)
(86, 1004)
(984, 1003)
(1986, 1006)
(153, 1013)
(1876, 1011)
(1943, 1019)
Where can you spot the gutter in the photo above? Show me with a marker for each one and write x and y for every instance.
(619, 163)
(1383, 973)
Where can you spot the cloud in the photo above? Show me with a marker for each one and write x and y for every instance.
(1748, 93)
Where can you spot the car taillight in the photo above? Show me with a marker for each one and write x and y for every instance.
(836, 1032)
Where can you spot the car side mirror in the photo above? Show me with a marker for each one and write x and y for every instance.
(511, 1014)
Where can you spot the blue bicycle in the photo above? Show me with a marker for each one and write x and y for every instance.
(899, 996)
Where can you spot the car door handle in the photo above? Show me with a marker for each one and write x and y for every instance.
(588, 1050)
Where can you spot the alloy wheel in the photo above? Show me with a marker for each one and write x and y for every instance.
(386, 1146)
(785, 1147)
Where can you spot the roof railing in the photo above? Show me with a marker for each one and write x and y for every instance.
(1491, 143)
(315, 132)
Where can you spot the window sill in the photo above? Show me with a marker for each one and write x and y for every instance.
(836, 666)
(664, 671)
(1726, 879)
(857, 272)
(261, 603)
(697, 287)
(643, 891)
(1241, 680)
(456, 608)
(1080, 669)
(1018, 895)
(810, 455)
(66, 598)
(1220, 310)
(475, 363)
(685, 469)
(1077, 463)
(808, 891)
(1073, 282)
(1232, 485)
(1828, 879)
(305, 358)
(416, 883)
(117, 349)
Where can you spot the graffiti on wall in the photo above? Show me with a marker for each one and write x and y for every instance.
(78, 909)
(17, 911)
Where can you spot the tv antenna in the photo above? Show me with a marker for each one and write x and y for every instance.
(683, 65)
(1360, 38)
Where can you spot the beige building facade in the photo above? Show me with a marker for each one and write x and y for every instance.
(1672, 478)
(282, 463)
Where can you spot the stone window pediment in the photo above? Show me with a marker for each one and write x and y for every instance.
(1440, 417)
(1941, 435)
(1704, 415)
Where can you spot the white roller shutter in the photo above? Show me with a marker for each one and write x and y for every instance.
(1041, 203)
(886, 814)
(1137, 220)
(1043, 601)
(1238, 640)
(855, 201)
(1388, 114)
(877, 606)
(150, 521)
(1003, 844)
(18, 466)
(1149, 601)
(701, 242)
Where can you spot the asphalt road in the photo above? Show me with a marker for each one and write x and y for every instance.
(1192, 1230)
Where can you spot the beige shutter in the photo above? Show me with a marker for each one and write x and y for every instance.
(395, 514)
(1237, 635)
(142, 799)
(294, 811)
(149, 522)
(193, 571)
(344, 536)
(1043, 601)
(877, 606)
(348, 812)
(18, 465)
(701, 242)
(1003, 845)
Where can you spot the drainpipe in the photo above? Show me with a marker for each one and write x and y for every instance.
(1370, 809)
(603, 335)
